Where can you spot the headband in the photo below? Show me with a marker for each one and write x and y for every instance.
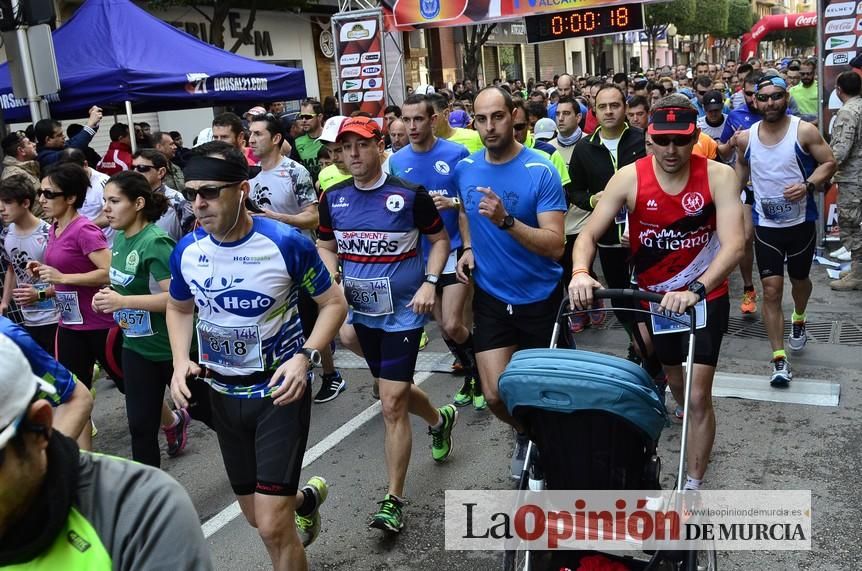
(211, 168)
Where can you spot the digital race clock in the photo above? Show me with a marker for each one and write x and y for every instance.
(586, 22)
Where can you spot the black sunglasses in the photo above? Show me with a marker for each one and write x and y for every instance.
(677, 140)
(143, 168)
(764, 97)
(206, 192)
(749, 93)
(306, 116)
(49, 194)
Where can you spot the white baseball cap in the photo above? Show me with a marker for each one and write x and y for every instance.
(331, 128)
(424, 89)
(18, 385)
(545, 129)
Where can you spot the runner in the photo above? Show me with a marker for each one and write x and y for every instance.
(513, 209)
(443, 130)
(684, 212)
(243, 275)
(337, 171)
(76, 263)
(372, 224)
(430, 162)
(786, 160)
(25, 242)
(137, 298)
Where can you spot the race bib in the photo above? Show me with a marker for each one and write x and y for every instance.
(134, 322)
(371, 296)
(662, 325)
(70, 311)
(235, 347)
(779, 209)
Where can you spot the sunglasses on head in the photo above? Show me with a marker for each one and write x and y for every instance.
(49, 194)
(143, 168)
(764, 97)
(206, 192)
(677, 140)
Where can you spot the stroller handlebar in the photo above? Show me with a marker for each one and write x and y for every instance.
(636, 294)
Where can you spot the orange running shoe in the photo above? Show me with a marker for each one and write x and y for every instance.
(749, 302)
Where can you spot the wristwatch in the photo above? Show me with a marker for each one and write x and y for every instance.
(313, 356)
(508, 222)
(698, 289)
(41, 294)
(810, 186)
(432, 279)
(457, 202)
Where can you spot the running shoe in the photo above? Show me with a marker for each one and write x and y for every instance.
(479, 402)
(597, 318)
(423, 341)
(749, 302)
(798, 338)
(332, 386)
(308, 526)
(178, 434)
(389, 517)
(93, 430)
(464, 396)
(839, 252)
(781, 375)
(678, 412)
(441, 439)
(519, 455)
(578, 322)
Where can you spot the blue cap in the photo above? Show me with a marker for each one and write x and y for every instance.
(459, 118)
(771, 80)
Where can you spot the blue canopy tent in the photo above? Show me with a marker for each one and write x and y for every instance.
(112, 53)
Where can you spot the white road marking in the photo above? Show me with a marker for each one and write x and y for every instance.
(231, 512)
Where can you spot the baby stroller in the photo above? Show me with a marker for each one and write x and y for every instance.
(617, 413)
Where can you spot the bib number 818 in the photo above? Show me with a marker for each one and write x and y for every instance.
(227, 347)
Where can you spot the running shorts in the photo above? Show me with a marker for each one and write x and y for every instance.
(498, 324)
(672, 348)
(262, 445)
(795, 244)
(390, 355)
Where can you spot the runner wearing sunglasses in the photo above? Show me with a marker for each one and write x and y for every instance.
(686, 237)
(178, 219)
(786, 160)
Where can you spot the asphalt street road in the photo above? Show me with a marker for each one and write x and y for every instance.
(761, 445)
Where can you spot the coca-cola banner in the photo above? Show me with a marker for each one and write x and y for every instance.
(842, 38)
(408, 14)
(767, 24)
(360, 61)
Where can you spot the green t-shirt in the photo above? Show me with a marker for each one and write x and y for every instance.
(308, 149)
(467, 137)
(138, 264)
(331, 176)
(807, 98)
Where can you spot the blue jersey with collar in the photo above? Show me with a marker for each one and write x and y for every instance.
(740, 118)
(435, 171)
(528, 185)
(43, 364)
(246, 294)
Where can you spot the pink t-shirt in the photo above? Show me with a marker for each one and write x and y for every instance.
(68, 254)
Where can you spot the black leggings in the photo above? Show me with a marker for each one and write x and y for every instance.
(78, 350)
(145, 382)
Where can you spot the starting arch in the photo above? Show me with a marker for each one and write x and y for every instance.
(751, 40)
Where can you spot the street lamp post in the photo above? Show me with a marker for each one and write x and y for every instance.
(670, 34)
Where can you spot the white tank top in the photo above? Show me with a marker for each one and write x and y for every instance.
(774, 167)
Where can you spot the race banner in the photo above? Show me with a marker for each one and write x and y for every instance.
(360, 61)
(405, 15)
(841, 38)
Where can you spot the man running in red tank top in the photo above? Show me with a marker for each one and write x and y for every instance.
(686, 235)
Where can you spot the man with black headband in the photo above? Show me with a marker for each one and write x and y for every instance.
(787, 160)
(684, 212)
(243, 275)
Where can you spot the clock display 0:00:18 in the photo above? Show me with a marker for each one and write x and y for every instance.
(589, 21)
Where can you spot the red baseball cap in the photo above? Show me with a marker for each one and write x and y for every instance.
(365, 127)
(672, 121)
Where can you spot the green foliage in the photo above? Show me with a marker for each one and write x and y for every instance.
(678, 12)
(799, 38)
(740, 18)
(710, 18)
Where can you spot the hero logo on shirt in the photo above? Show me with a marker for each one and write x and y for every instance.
(394, 203)
(244, 303)
(441, 167)
(692, 203)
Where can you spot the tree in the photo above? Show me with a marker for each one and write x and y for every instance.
(740, 19)
(799, 39)
(474, 38)
(222, 8)
(657, 17)
(711, 20)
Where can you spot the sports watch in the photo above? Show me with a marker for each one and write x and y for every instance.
(508, 222)
(432, 279)
(698, 289)
(313, 356)
(810, 186)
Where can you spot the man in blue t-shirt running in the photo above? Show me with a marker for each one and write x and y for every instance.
(512, 230)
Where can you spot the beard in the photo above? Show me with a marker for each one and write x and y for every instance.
(773, 115)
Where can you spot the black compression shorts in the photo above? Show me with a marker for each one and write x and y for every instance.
(672, 348)
(391, 355)
(795, 244)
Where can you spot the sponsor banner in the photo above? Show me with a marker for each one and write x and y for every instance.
(628, 520)
(359, 59)
(406, 15)
(830, 206)
(841, 25)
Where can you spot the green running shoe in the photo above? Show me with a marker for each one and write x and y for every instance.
(441, 440)
(308, 527)
(479, 402)
(389, 517)
(464, 396)
(423, 341)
